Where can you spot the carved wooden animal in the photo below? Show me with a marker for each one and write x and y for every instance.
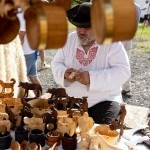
(83, 105)
(34, 123)
(48, 118)
(5, 126)
(122, 114)
(57, 93)
(74, 102)
(6, 95)
(119, 124)
(26, 111)
(57, 103)
(6, 85)
(31, 86)
(116, 125)
(4, 116)
(11, 116)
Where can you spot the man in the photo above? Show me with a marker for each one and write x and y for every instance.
(101, 69)
(30, 55)
(44, 64)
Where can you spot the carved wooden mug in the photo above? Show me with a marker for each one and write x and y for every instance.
(46, 26)
(113, 20)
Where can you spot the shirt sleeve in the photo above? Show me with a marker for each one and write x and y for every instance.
(22, 21)
(113, 76)
(58, 67)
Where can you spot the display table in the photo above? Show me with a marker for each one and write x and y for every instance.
(120, 144)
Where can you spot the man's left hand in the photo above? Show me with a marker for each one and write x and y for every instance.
(83, 77)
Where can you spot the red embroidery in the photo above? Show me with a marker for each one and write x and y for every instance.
(91, 55)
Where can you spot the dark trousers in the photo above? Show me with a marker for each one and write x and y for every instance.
(104, 112)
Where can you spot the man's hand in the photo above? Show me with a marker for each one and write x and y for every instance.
(83, 77)
(68, 75)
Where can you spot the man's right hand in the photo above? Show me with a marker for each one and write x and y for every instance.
(68, 73)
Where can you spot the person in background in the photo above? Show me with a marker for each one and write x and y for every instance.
(146, 9)
(128, 45)
(30, 54)
(44, 64)
(12, 65)
(126, 86)
(85, 68)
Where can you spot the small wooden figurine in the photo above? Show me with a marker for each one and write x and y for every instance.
(83, 105)
(31, 86)
(11, 116)
(119, 124)
(57, 93)
(5, 86)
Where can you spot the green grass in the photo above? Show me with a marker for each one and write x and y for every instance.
(143, 31)
(71, 27)
(142, 39)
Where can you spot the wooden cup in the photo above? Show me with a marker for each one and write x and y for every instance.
(46, 26)
(113, 20)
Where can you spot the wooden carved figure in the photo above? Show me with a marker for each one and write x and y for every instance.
(83, 105)
(54, 112)
(85, 124)
(119, 124)
(31, 86)
(122, 113)
(11, 116)
(74, 101)
(25, 111)
(57, 103)
(7, 85)
(57, 93)
(6, 95)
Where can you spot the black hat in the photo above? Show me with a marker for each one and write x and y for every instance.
(80, 15)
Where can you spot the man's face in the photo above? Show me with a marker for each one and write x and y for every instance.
(85, 35)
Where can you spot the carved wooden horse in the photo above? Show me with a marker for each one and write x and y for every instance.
(31, 86)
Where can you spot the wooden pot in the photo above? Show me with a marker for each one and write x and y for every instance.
(8, 29)
(46, 26)
(53, 137)
(69, 143)
(113, 20)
